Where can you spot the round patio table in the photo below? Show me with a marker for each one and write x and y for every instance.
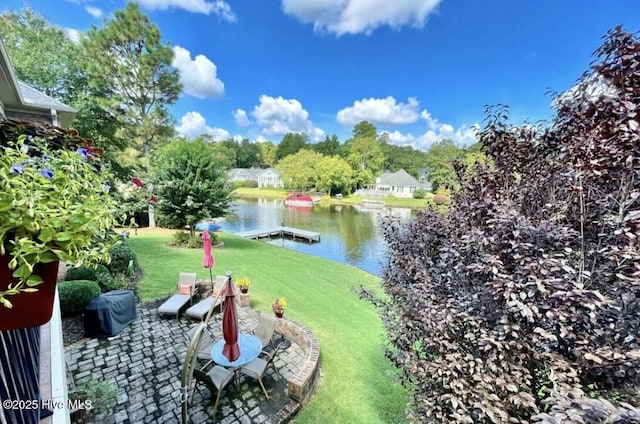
(250, 347)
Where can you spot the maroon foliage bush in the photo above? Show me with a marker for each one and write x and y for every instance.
(521, 303)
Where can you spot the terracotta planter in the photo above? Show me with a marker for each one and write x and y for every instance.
(244, 290)
(29, 309)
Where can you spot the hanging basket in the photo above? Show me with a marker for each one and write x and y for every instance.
(29, 309)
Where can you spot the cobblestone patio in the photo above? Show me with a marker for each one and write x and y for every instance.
(144, 364)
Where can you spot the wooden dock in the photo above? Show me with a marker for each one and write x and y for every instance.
(294, 233)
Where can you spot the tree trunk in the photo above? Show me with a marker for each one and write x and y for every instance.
(152, 216)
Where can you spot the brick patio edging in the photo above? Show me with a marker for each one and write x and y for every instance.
(302, 385)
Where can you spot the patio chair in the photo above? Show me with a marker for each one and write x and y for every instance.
(216, 379)
(186, 289)
(258, 367)
(203, 350)
(200, 309)
(265, 328)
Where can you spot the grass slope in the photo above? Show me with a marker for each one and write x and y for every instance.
(355, 385)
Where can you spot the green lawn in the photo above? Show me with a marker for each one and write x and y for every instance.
(355, 385)
(272, 193)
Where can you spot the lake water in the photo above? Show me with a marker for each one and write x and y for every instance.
(349, 234)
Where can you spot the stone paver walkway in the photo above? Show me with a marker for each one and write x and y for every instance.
(144, 364)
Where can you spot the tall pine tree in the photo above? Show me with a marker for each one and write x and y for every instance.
(132, 71)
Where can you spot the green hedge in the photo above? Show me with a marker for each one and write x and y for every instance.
(184, 239)
(101, 275)
(419, 193)
(121, 254)
(75, 295)
(107, 282)
(84, 273)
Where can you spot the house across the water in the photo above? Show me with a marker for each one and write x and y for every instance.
(269, 177)
(397, 184)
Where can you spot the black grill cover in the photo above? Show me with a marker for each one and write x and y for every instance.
(109, 313)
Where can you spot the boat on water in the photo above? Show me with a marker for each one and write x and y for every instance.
(298, 200)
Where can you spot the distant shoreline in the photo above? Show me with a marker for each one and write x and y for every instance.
(393, 202)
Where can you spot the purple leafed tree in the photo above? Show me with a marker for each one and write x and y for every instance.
(521, 302)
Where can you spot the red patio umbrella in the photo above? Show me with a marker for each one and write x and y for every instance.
(208, 261)
(230, 323)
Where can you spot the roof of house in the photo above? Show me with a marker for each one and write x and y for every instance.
(250, 173)
(16, 95)
(398, 179)
(34, 97)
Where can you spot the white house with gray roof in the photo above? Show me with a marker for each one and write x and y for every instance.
(398, 184)
(269, 177)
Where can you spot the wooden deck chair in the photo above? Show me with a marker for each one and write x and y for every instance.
(202, 308)
(186, 289)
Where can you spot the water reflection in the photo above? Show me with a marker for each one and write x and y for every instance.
(349, 233)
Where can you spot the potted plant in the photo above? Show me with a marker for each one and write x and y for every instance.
(278, 306)
(91, 398)
(243, 283)
(54, 206)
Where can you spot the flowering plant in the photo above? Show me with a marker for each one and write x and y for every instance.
(243, 283)
(54, 203)
(133, 199)
(278, 305)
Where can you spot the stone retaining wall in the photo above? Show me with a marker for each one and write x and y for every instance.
(303, 383)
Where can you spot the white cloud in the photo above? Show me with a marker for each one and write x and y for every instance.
(96, 12)
(72, 34)
(199, 76)
(400, 139)
(426, 116)
(278, 116)
(436, 131)
(218, 7)
(463, 136)
(193, 125)
(241, 118)
(360, 16)
(380, 111)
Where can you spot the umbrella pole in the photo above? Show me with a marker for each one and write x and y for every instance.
(211, 277)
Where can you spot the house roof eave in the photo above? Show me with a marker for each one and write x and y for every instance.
(11, 94)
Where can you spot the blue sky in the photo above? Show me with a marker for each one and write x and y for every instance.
(418, 69)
